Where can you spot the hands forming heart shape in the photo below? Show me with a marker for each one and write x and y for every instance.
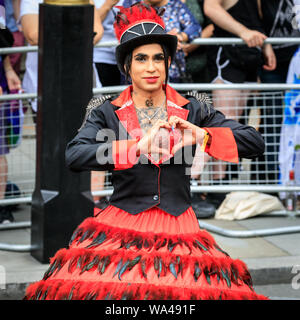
(166, 138)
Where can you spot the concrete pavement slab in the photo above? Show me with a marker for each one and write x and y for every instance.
(240, 248)
(279, 292)
(286, 242)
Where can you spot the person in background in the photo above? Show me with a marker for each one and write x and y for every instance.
(104, 57)
(196, 69)
(235, 64)
(9, 81)
(180, 22)
(12, 11)
(29, 19)
(277, 17)
(289, 152)
(196, 55)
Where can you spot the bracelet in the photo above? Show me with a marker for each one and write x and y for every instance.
(10, 69)
(205, 141)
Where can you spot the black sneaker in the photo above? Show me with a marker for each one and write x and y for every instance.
(12, 190)
(202, 208)
(6, 215)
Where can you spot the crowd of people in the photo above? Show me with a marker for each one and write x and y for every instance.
(252, 21)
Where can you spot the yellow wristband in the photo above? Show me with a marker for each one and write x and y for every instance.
(205, 140)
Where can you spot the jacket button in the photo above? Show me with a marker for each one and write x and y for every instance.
(155, 197)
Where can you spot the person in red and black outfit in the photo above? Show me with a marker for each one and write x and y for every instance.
(147, 243)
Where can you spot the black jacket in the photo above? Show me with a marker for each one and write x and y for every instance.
(141, 185)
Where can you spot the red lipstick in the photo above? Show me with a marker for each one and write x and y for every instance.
(151, 79)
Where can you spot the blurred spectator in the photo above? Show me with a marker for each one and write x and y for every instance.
(196, 55)
(277, 21)
(29, 18)
(12, 11)
(179, 21)
(289, 154)
(235, 64)
(277, 17)
(29, 21)
(9, 81)
(196, 69)
(104, 57)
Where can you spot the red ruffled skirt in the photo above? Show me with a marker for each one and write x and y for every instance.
(151, 255)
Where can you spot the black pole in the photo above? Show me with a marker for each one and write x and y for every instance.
(61, 199)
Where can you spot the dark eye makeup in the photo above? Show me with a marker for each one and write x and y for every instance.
(159, 56)
(140, 57)
(144, 57)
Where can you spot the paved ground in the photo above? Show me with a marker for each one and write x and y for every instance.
(273, 261)
(279, 291)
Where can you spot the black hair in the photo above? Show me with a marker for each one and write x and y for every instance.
(128, 60)
(127, 63)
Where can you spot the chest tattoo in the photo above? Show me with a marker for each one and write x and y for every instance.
(148, 117)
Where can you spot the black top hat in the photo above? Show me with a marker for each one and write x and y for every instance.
(139, 25)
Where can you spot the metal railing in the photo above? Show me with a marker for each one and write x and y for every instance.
(181, 87)
(201, 41)
(239, 185)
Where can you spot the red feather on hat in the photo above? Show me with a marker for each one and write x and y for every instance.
(139, 12)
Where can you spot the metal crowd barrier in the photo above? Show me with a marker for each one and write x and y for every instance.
(260, 93)
(180, 87)
(202, 41)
